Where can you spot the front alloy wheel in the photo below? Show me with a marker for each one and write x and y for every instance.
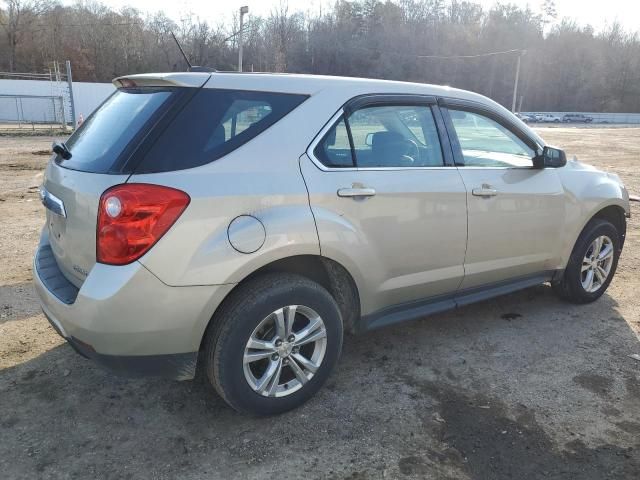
(596, 264)
(592, 264)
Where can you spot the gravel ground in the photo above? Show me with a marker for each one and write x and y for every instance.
(523, 386)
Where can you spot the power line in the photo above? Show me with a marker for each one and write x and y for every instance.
(488, 54)
(439, 57)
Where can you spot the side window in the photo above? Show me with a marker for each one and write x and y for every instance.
(241, 114)
(486, 143)
(334, 150)
(214, 123)
(395, 136)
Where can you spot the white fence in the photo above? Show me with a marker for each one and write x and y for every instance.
(86, 98)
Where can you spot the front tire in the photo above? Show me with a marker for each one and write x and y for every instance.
(273, 343)
(592, 264)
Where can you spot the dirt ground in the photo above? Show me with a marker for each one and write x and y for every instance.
(523, 386)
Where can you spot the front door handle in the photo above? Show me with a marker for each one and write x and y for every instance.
(484, 191)
(356, 192)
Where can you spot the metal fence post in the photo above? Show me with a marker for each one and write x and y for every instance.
(64, 117)
(18, 113)
(71, 101)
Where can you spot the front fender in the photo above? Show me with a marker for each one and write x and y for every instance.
(588, 191)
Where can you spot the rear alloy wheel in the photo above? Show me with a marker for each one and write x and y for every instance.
(273, 343)
(285, 351)
(592, 264)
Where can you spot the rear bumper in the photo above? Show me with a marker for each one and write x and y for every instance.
(127, 320)
(179, 366)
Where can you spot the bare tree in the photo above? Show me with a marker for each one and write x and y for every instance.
(20, 17)
(567, 66)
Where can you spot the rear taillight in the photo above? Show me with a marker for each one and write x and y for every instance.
(132, 217)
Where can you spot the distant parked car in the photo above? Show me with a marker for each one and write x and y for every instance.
(526, 118)
(548, 118)
(576, 118)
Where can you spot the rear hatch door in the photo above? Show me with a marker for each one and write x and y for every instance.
(101, 154)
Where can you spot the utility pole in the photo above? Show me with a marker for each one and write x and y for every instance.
(243, 10)
(515, 84)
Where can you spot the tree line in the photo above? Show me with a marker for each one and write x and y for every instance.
(564, 66)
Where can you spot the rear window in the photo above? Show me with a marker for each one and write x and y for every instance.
(214, 123)
(104, 139)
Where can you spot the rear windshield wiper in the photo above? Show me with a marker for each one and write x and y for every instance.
(61, 149)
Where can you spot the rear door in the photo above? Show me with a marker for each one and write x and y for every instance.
(388, 202)
(516, 211)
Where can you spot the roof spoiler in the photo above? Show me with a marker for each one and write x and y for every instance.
(195, 79)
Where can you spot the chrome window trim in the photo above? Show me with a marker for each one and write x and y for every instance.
(328, 126)
(476, 167)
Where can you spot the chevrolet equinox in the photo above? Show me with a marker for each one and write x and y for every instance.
(243, 222)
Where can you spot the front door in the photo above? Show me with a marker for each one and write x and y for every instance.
(387, 203)
(516, 212)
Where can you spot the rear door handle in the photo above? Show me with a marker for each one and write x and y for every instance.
(356, 192)
(485, 191)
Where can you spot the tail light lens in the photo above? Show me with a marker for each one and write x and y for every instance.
(132, 217)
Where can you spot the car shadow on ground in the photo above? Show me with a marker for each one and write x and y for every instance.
(521, 386)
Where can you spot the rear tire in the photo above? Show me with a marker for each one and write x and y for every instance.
(254, 351)
(589, 273)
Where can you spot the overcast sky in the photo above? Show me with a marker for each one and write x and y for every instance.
(598, 13)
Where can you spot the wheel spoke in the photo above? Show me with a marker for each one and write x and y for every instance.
(313, 325)
(588, 281)
(305, 362)
(255, 356)
(597, 245)
(606, 252)
(290, 319)
(264, 383)
(297, 371)
(598, 275)
(275, 380)
(602, 274)
(313, 337)
(281, 329)
(586, 265)
(259, 344)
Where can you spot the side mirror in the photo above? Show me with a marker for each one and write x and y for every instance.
(551, 157)
(368, 141)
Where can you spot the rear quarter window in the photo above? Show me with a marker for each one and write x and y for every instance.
(214, 123)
